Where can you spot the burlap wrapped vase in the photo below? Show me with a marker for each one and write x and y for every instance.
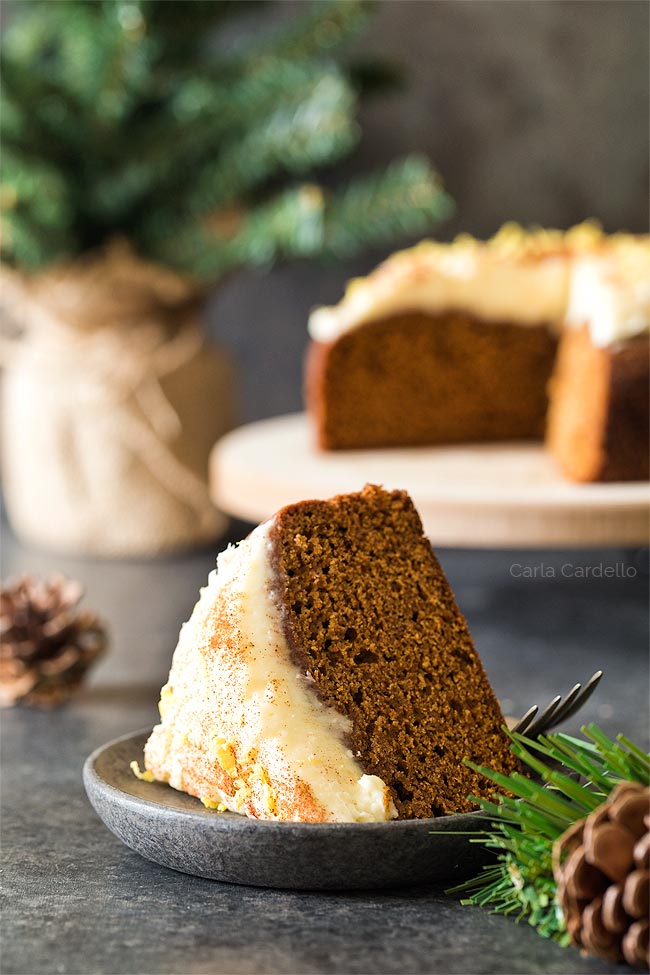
(111, 400)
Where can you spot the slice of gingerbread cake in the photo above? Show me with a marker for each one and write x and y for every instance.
(326, 674)
(444, 343)
(599, 415)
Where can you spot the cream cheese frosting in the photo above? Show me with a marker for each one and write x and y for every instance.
(610, 293)
(518, 276)
(243, 701)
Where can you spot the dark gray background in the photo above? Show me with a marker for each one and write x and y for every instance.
(532, 110)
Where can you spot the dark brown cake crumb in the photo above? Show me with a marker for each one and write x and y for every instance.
(417, 379)
(370, 615)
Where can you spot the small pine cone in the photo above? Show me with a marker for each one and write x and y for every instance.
(601, 866)
(46, 644)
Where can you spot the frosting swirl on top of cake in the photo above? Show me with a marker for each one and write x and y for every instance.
(610, 292)
(518, 276)
(236, 706)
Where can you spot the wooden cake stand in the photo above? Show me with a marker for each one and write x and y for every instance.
(490, 496)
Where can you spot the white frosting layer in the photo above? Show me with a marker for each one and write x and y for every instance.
(611, 295)
(260, 715)
(432, 278)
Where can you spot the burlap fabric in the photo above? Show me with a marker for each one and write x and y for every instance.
(111, 401)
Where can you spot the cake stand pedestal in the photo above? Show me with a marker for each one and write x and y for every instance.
(505, 495)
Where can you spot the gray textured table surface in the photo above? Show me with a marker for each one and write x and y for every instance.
(78, 901)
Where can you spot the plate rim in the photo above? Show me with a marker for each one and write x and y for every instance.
(237, 821)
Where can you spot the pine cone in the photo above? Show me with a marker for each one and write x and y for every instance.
(601, 866)
(46, 645)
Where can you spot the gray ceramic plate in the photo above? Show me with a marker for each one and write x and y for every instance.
(176, 830)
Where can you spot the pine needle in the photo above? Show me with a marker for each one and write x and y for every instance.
(527, 815)
(147, 120)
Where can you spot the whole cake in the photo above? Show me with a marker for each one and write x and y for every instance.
(455, 343)
(598, 424)
(326, 674)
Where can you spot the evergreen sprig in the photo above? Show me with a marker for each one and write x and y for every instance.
(308, 221)
(171, 125)
(527, 815)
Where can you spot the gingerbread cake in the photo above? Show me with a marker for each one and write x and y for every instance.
(326, 674)
(444, 343)
(599, 417)
(456, 343)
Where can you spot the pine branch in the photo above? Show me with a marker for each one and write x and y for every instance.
(406, 199)
(325, 26)
(523, 829)
(201, 117)
(126, 99)
(306, 223)
(293, 139)
(40, 113)
(79, 60)
(35, 210)
(26, 244)
(13, 123)
(50, 206)
(231, 97)
(290, 225)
